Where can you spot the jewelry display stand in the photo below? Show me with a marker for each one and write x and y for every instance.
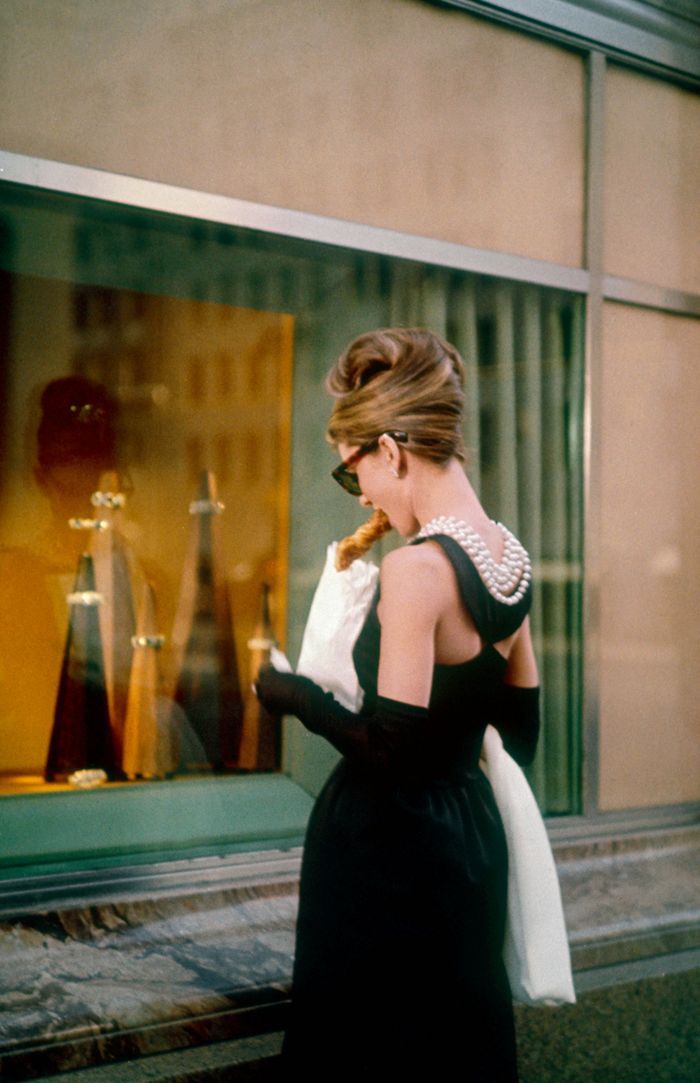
(150, 745)
(81, 738)
(207, 687)
(114, 579)
(261, 731)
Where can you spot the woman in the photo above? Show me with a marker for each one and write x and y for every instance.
(398, 967)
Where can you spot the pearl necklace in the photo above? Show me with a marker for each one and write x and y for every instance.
(506, 580)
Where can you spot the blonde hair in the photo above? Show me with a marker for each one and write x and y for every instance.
(405, 379)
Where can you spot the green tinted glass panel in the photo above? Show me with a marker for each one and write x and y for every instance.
(179, 364)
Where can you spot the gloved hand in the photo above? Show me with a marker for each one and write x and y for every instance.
(517, 719)
(382, 741)
(285, 693)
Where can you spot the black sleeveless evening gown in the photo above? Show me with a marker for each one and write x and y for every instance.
(398, 971)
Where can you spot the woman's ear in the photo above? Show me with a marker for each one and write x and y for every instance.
(392, 454)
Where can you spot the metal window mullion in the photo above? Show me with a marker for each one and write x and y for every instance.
(575, 446)
(650, 295)
(592, 459)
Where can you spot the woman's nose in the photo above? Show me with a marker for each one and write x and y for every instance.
(365, 502)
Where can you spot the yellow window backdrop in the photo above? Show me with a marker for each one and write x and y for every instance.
(121, 391)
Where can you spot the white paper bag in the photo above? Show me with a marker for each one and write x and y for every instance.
(337, 613)
(536, 949)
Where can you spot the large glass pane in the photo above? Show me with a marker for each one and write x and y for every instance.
(530, 393)
(399, 114)
(650, 582)
(652, 155)
(155, 369)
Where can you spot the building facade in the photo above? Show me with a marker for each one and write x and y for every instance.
(200, 204)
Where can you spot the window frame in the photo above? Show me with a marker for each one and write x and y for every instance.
(284, 829)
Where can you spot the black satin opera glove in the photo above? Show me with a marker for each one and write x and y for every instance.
(517, 719)
(383, 741)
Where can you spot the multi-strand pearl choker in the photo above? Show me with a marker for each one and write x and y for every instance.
(506, 580)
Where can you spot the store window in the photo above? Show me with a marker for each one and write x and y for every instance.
(165, 497)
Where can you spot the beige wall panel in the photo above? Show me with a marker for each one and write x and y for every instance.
(390, 112)
(652, 209)
(650, 587)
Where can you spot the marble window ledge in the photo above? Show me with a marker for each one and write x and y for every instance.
(202, 951)
(631, 897)
(124, 978)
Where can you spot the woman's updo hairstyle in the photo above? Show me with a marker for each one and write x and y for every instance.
(403, 379)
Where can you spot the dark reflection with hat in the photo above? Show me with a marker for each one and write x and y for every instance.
(76, 442)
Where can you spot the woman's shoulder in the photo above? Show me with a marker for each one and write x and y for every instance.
(414, 595)
(429, 555)
(416, 573)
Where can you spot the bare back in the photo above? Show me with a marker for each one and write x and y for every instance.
(425, 622)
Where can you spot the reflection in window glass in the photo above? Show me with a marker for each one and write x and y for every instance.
(163, 365)
(106, 500)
